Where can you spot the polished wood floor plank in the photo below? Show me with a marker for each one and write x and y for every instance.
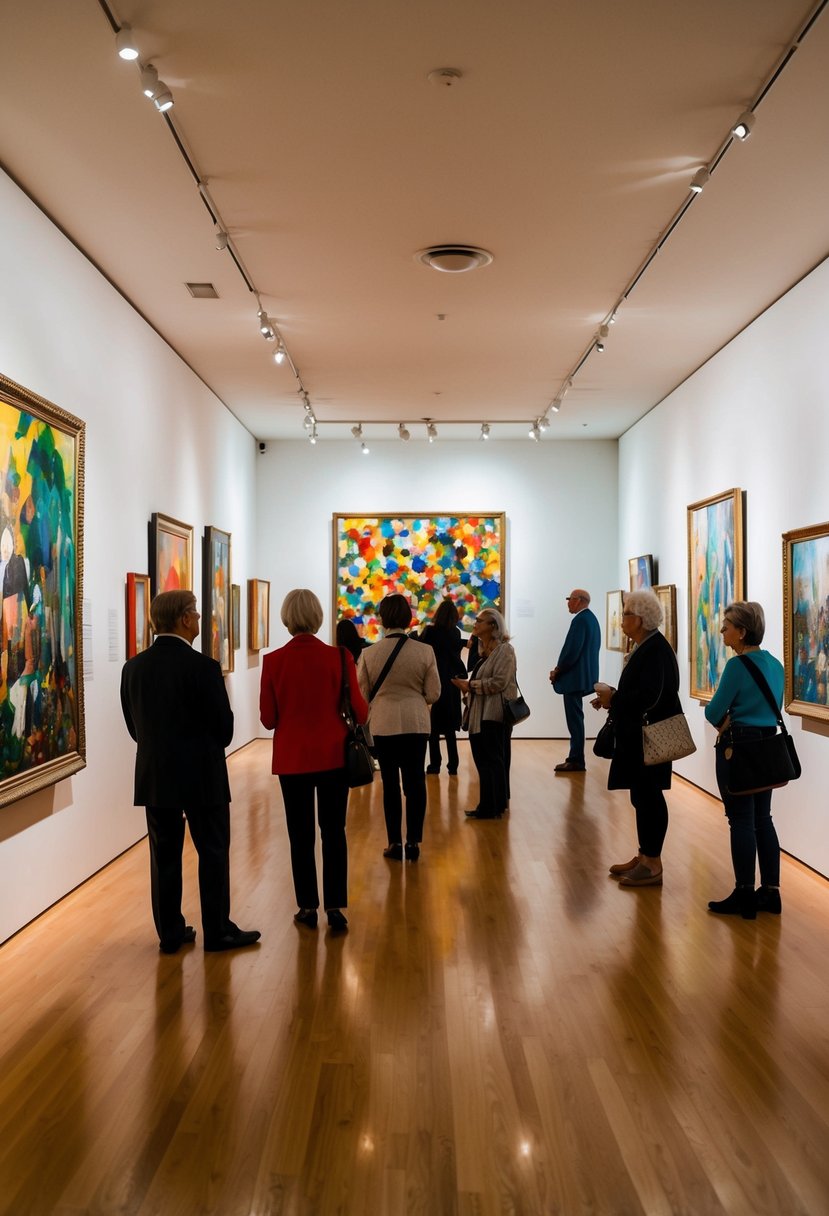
(503, 1029)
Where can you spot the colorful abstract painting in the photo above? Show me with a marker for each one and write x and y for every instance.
(806, 620)
(424, 557)
(235, 615)
(640, 572)
(171, 554)
(666, 594)
(41, 531)
(614, 638)
(715, 579)
(138, 613)
(216, 606)
(259, 613)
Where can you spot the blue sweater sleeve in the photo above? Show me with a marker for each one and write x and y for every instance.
(739, 695)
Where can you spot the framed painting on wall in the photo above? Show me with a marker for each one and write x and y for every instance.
(215, 621)
(42, 732)
(426, 557)
(806, 621)
(640, 571)
(666, 594)
(716, 577)
(259, 615)
(235, 615)
(171, 554)
(614, 638)
(138, 613)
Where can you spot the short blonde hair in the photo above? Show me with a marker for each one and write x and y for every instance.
(301, 611)
(645, 604)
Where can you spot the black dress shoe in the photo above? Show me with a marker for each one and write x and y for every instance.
(188, 937)
(412, 851)
(394, 852)
(741, 902)
(336, 921)
(768, 900)
(432, 771)
(453, 772)
(306, 916)
(479, 814)
(232, 941)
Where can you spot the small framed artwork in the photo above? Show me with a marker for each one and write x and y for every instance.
(716, 577)
(806, 621)
(138, 613)
(235, 615)
(216, 597)
(666, 594)
(259, 615)
(614, 638)
(640, 571)
(171, 554)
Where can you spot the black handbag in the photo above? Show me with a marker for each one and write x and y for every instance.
(604, 744)
(765, 763)
(358, 763)
(516, 709)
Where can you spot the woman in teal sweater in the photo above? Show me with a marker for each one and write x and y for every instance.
(739, 706)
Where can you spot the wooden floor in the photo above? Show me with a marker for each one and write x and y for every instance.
(503, 1029)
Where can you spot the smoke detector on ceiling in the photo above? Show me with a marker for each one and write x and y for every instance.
(445, 78)
(454, 259)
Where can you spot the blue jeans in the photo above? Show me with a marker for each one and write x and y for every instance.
(753, 835)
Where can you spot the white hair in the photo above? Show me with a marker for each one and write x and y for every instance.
(645, 604)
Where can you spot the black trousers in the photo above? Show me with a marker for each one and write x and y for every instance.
(210, 833)
(330, 790)
(402, 758)
(490, 751)
(651, 816)
(451, 749)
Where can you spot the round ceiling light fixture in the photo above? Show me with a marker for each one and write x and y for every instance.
(454, 259)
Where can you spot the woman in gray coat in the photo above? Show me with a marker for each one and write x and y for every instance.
(399, 721)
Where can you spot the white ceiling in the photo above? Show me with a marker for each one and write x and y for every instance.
(564, 150)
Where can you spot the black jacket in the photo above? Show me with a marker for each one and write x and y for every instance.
(176, 708)
(447, 645)
(649, 684)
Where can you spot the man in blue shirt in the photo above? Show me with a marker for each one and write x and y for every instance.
(576, 672)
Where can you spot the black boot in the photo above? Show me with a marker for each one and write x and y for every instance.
(741, 902)
(768, 900)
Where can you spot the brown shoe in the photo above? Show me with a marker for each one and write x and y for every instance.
(624, 867)
(641, 876)
(569, 767)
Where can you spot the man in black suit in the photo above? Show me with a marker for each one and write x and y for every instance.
(176, 708)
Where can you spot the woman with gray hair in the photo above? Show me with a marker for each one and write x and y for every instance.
(740, 708)
(490, 681)
(648, 685)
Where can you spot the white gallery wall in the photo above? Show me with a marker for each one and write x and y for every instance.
(756, 417)
(156, 440)
(560, 503)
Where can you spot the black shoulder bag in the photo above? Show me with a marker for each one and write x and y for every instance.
(358, 764)
(768, 763)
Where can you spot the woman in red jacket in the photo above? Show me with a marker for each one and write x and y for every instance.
(299, 699)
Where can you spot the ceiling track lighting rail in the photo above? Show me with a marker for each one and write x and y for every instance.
(739, 133)
(223, 242)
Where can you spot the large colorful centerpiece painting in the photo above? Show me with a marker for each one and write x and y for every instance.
(424, 557)
(715, 579)
(806, 620)
(41, 528)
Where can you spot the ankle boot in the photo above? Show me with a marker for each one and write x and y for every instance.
(768, 900)
(741, 902)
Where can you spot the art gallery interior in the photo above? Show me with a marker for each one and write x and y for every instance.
(714, 376)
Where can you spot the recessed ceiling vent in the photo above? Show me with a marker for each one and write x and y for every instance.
(202, 291)
(454, 259)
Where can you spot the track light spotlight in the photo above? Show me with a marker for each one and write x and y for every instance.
(544, 422)
(484, 430)
(125, 43)
(163, 99)
(308, 422)
(403, 432)
(357, 431)
(534, 432)
(555, 405)
(221, 238)
(149, 81)
(742, 127)
(601, 334)
(266, 328)
(279, 353)
(431, 432)
(700, 180)
(312, 438)
(365, 449)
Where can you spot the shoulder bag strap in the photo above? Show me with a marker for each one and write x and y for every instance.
(375, 688)
(762, 683)
(345, 697)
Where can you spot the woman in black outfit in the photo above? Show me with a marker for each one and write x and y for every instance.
(648, 685)
(447, 642)
(347, 635)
